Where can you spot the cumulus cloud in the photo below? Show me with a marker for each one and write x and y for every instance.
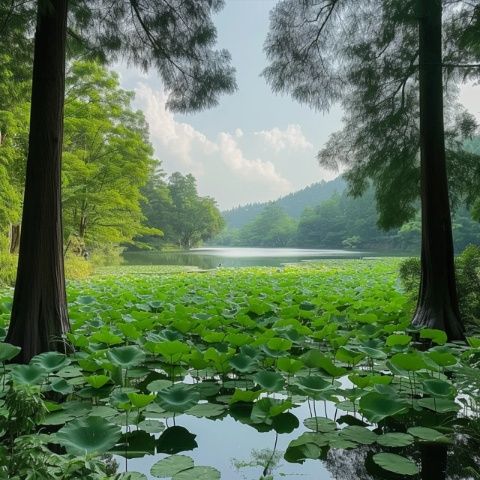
(292, 138)
(256, 169)
(180, 139)
(182, 147)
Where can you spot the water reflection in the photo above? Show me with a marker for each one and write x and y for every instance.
(207, 258)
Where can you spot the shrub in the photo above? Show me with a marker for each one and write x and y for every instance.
(77, 268)
(467, 267)
(8, 268)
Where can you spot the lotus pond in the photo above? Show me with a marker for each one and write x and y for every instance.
(257, 373)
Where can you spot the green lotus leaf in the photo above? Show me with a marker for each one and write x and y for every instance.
(178, 398)
(395, 463)
(279, 344)
(316, 359)
(313, 384)
(410, 362)
(242, 363)
(395, 439)
(398, 340)
(443, 359)
(376, 406)
(374, 353)
(320, 424)
(172, 349)
(355, 433)
(169, 466)
(438, 388)
(246, 396)
(198, 473)
(98, 381)
(107, 337)
(289, 365)
(158, 385)
(60, 385)
(151, 426)
(131, 476)
(28, 374)
(90, 435)
(266, 408)
(349, 356)
(8, 351)
(208, 410)
(270, 381)
(126, 357)
(140, 400)
(428, 434)
(436, 336)
(439, 405)
(51, 361)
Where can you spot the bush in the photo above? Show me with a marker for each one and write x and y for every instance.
(77, 268)
(467, 267)
(8, 268)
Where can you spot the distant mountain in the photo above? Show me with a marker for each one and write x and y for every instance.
(293, 203)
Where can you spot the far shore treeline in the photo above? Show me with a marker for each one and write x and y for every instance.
(303, 220)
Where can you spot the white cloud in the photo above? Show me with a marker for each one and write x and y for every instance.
(292, 137)
(179, 139)
(181, 147)
(254, 170)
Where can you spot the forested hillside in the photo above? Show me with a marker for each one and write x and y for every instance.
(293, 204)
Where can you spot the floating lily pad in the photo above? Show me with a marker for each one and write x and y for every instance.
(320, 424)
(169, 466)
(198, 473)
(395, 463)
(395, 439)
(358, 434)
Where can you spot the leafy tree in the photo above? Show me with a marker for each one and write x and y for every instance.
(176, 37)
(177, 209)
(106, 159)
(271, 228)
(384, 61)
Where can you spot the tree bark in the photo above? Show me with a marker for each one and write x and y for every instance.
(39, 319)
(14, 237)
(437, 305)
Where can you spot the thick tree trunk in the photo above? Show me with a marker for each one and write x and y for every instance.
(39, 317)
(437, 303)
(14, 237)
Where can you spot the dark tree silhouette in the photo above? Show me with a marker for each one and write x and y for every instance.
(176, 37)
(379, 58)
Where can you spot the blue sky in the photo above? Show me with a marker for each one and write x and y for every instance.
(255, 145)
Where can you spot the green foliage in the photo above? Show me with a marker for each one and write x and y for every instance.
(176, 208)
(8, 268)
(366, 59)
(106, 160)
(467, 266)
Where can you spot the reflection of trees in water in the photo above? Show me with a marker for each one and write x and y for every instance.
(267, 459)
(348, 464)
(462, 461)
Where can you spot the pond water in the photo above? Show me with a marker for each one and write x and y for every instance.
(229, 445)
(213, 257)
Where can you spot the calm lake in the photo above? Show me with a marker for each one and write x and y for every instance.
(238, 257)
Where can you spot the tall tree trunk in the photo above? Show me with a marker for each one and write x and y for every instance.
(14, 237)
(39, 317)
(437, 303)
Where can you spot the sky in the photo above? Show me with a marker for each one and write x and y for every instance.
(255, 145)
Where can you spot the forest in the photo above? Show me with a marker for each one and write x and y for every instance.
(330, 367)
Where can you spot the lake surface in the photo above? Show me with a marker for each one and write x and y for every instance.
(238, 257)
